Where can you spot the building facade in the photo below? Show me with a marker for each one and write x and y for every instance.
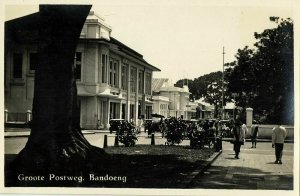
(113, 80)
(172, 101)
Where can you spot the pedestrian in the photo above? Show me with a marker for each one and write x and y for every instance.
(253, 135)
(139, 125)
(238, 137)
(245, 129)
(278, 137)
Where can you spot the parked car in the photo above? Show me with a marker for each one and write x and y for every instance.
(115, 124)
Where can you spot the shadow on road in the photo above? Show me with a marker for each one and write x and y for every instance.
(218, 177)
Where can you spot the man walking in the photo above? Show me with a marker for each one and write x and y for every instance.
(278, 136)
(253, 135)
(238, 137)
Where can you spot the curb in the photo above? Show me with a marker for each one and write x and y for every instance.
(188, 182)
(258, 140)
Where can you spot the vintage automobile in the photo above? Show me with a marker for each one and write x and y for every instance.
(115, 124)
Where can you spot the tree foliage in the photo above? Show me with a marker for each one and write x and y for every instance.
(209, 87)
(198, 86)
(214, 95)
(263, 77)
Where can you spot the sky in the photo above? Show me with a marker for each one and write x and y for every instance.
(184, 39)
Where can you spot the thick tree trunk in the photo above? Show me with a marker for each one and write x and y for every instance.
(56, 144)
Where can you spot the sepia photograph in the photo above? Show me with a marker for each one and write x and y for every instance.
(153, 97)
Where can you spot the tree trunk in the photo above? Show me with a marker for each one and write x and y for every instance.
(216, 113)
(56, 144)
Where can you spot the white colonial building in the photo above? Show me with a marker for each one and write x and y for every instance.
(113, 80)
(172, 101)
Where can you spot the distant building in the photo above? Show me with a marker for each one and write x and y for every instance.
(204, 110)
(172, 101)
(230, 110)
(161, 105)
(113, 80)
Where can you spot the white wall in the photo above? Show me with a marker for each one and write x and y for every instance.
(265, 132)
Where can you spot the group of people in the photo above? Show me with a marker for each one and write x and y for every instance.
(240, 130)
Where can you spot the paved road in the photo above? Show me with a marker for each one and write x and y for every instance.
(255, 169)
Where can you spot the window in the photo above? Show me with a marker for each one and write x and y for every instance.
(131, 111)
(114, 107)
(148, 84)
(141, 78)
(17, 66)
(78, 61)
(33, 61)
(103, 67)
(148, 112)
(110, 72)
(133, 79)
(113, 72)
(124, 77)
(116, 73)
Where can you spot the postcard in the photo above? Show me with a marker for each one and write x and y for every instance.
(150, 98)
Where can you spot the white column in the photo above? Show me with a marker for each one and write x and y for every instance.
(127, 115)
(136, 95)
(249, 116)
(143, 104)
(108, 112)
(28, 116)
(120, 110)
(5, 115)
(120, 76)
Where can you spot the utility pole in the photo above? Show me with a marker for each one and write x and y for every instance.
(223, 109)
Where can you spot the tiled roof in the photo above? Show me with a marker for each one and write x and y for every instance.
(119, 47)
(157, 83)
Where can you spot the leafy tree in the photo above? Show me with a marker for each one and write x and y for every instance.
(214, 95)
(180, 83)
(241, 77)
(263, 77)
(209, 87)
(198, 86)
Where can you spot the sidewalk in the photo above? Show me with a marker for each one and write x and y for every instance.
(254, 170)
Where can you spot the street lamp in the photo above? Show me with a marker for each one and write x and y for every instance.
(223, 86)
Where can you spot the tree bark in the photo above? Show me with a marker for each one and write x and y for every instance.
(56, 143)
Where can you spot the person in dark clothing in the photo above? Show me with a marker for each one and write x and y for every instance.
(238, 138)
(253, 135)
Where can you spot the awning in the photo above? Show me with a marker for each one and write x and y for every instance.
(107, 94)
(82, 92)
(148, 101)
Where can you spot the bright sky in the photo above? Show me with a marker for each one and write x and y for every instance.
(183, 38)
